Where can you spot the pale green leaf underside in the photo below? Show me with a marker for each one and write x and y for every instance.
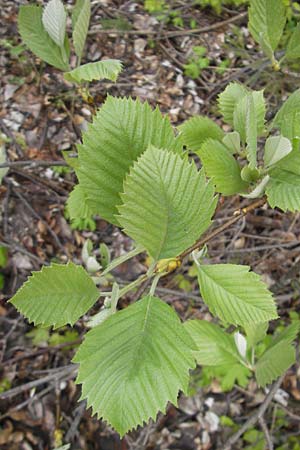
(167, 203)
(276, 148)
(197, 129)
(229, 98)
(250, 110)
(37, 39)
(235, 295)
(134, 363)
(56, 296)
(274, 362)
(283, 190)
(267, 18)
(221, 167)
(293, 48)
(121, 131)
(214, 347)
(108, 69)
(80, 21)
(54, 19)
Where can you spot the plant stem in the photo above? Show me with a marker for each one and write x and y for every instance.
(116, 262)
(237, 215)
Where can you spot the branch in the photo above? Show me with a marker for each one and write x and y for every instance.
(33, 163)
(171, 34)
(256, 416)
(266, 432)
(237, 215)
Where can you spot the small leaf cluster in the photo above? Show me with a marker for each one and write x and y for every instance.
(255, 158)
(44, 33)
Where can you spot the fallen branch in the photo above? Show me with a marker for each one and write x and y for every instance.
(256, 416)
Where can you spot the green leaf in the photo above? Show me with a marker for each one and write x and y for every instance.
(290, 107)
(267, 18)
(235, 295)
(37, 39)
(77, 205)
(121, 131)
(108, 69)
(167, 203)
(251, 131)
(133, 363)
(235, 374)
(214, 346)
(232, 141)
(274, 362)
(57, 295)
(229, 98)
(283, 190)
(276, 148)
(222, 167)
(293, 48)
(80, 21)
(54, 20)
(288, 335)
(248, 111)
(197, 129)
(256, 332)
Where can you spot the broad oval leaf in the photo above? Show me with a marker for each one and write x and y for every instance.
(121, 131)
(197, 129)
(249, 112)
(228, 100)
(56, 296)
(108, 69)
(276, 148)
(274, 362)
(54, 20)
(221, 167)
(290, 107)
(167, 203)
(80, 20)
(283, 190)
(214, 347)
(293, 48)
(232, 141)
(267, 18)
(37, 39)
(235, 295)
(133, 363)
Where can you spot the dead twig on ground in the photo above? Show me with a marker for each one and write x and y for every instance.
(256, 416)
(266, 432)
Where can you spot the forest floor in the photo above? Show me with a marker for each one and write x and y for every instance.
(41, 115)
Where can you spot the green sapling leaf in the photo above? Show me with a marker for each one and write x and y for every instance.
(267, 18)
(54, 20)
(236, 295)
(293, 48)
(134, 362)
(276, 148)
(232, 141)
(197, 129)
(107, 69)
(56, 296)
(80, 21)
(167, 203)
